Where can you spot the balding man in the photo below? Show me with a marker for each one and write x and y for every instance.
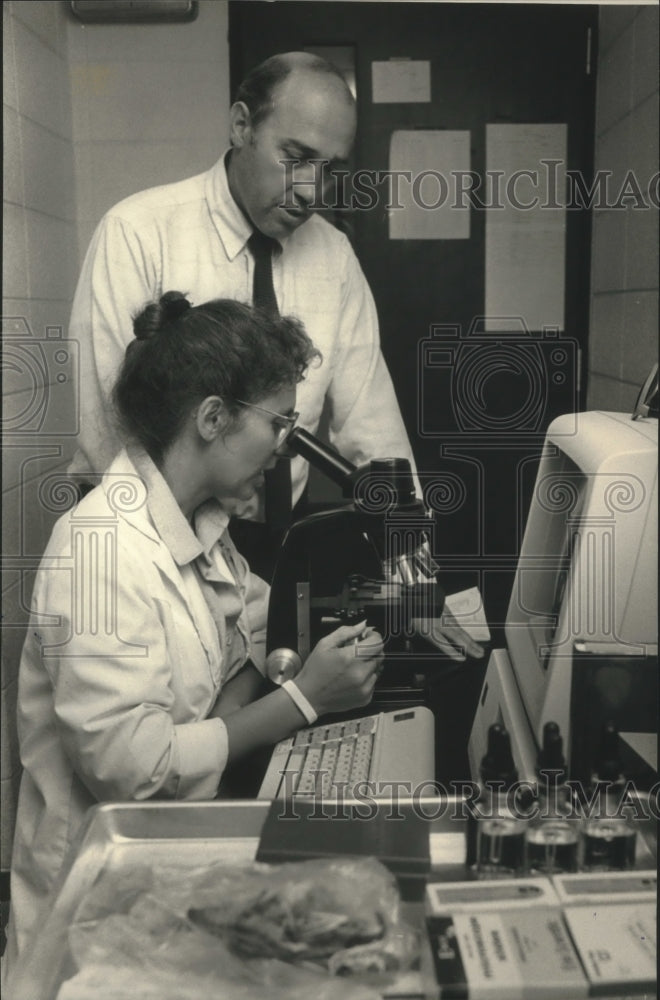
(194, 236)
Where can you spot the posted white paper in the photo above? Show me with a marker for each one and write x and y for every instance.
(422, 200)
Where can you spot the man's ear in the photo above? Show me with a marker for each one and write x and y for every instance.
(240, 124)
(212, 418)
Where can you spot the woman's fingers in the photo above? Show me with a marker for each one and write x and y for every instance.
(343, 635)
(370, 648)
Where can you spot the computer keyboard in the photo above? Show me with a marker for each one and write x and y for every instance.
(330, 760)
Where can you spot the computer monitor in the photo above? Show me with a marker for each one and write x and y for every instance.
(586, 579)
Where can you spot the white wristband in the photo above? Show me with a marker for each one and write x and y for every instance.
(296, 695)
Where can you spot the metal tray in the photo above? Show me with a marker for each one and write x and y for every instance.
(191, 834)
(171, 833)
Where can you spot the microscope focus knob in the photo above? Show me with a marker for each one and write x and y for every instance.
(282, 665)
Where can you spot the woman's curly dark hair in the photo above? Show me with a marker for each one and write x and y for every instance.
(182, 354)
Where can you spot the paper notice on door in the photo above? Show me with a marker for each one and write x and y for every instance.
(525, 225)
(401, 81)
(422, 202)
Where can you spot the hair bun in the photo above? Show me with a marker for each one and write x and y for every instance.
(173, 305)
(157, 315)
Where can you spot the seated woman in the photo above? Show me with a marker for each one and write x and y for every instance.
(142, 665)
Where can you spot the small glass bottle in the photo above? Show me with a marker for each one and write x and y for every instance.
(500, 828)
(608, 834)
(552, 836)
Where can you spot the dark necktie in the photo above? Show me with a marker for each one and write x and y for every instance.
(277, 490)
(263, 294)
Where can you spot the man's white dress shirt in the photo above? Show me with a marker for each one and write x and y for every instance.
(191, 237)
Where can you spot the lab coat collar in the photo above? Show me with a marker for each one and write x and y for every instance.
(210, 522)
(136, 491)
(156, 513)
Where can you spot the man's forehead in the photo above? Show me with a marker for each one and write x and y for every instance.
(312, 109)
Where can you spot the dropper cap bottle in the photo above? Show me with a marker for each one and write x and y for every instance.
(552, 837)
(500, 833)
(608, 758)
(609, 837)
(551, 756)
(494, 769)
(497, 764)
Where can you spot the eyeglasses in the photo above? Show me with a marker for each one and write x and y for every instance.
(286, 422)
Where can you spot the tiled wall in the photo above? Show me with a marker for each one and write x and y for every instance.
(40, 262)
(150, 105)
(92, 113)
(624, 279)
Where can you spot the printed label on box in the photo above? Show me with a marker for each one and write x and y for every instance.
(605, 887)
(510, 956)
(495, 894)
(616, 943)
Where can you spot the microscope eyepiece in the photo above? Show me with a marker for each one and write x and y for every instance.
(381, 475)
(321, 456)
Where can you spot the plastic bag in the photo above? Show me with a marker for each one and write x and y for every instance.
(306, 912)
(330, 929)
(108, 982)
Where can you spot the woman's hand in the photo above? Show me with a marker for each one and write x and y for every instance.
(341, 671)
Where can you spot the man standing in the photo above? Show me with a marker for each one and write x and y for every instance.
(203, 237)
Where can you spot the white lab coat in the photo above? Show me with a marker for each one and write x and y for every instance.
(122, 663)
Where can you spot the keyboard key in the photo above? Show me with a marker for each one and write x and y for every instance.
(307, 784)
(335, 731)
(329, 758)
(344, 762)
(346, 752)
(313, 759)
(362, 758)
(368, 724)
(293, 769)
(283, 748)
(327, 761)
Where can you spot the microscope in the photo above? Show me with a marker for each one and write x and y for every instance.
(366, 559)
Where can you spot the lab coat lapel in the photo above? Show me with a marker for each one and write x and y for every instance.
(185, 585)
(126, 496)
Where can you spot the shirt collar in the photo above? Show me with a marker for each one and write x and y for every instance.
(232, 226)
(185, 541)
(210, 522)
